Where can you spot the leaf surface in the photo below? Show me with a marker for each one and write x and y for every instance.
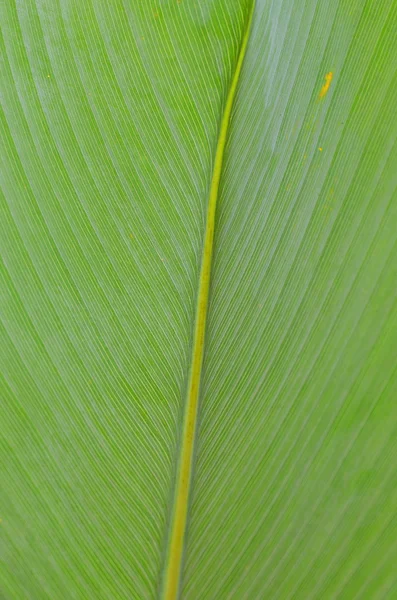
(110, 118)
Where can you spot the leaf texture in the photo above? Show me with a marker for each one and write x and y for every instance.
(295, 490)
(110, 116)
(110, 113)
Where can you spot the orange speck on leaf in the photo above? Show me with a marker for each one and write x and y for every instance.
(325, 88)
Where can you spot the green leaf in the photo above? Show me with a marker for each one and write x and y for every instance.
(109, 124)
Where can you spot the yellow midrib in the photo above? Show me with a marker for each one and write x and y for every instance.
(176, 545)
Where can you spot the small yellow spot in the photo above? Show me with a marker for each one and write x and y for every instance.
(320, 149)
(48, 76)
(325, 88)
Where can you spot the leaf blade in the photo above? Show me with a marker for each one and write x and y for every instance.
(292, 491)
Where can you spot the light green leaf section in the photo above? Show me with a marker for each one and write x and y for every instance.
(109, 124)
(109, 121)
(295, 492)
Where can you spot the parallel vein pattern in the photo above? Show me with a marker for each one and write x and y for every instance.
(295, 494)
(110, 113)
(108, 123)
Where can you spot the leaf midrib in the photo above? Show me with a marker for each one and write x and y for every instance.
(182, 490)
